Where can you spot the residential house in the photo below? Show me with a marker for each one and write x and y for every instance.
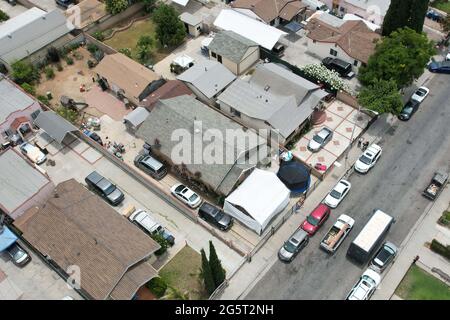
(195, 137)
(272, 98)
(272, 12)
(234, 51)
(171, 89)
(76, 231)
(29, 34)
(207, 79)
(17, 111)
(371, 10)
(192, 23)
(85, 13)
(127, 78)
(22, 184)
(352, 40)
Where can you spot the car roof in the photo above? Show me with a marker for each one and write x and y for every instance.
(299, 235)
(319, 211)
(94, 176)
(341, 185)
(152, 162)
(374, 148)
(323, 132)
(209, 209)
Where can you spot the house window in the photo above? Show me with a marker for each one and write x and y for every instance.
(213, 54)
(355, 63)
(235, 112)
(333, 52)
(219, 58)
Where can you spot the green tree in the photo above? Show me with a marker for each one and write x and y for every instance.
(3, 16)
(170, 31)
(206, 274)
(175, 294)
(149, 5)
(418, 10)
(116, 6)
(396, 17)
(68, 114)
(446, 23)
(217, 270)
(28, 88)
(125, 51)
(162, 242)
(401, 57)
(381, 96)
(157, 286)
(23, 71)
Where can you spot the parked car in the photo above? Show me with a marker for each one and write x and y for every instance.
(408, 110)
(186, 195)
(64, 3)
(320, 139)
(104, 188)
(439, 66)
(293, 246)
(368, 159)
(316, 219)
(18, 255)
(420, 94)
(215, 216)
(93, 136)
(338, 193)
(143, 219)
(365, 287)
(384, 256)
(342, 67)
(151, 166)
(33, 153)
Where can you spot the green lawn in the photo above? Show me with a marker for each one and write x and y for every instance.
(442, 5)
(420, 285)
(182, 272)
(130, 37)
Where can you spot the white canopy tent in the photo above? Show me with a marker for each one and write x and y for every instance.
(252, 29)
(181, 2)
(257, 200)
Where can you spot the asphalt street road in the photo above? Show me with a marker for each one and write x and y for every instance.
(412, 151)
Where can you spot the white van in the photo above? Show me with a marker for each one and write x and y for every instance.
(33, 153)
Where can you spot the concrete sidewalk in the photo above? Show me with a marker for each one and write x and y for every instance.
(424, 231)
(249, 274)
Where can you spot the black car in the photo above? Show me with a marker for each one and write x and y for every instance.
(151, 166)
(408, 110)
(343, 68)
(384, 256)
(215, 216)
(18, 255)
(104, 188)
(64, 3)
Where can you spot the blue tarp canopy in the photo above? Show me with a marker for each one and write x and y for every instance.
(7, 238)
(293, 26)
(294, 175)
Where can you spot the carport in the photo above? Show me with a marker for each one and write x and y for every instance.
(58, 128)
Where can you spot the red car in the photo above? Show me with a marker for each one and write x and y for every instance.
(315, 219)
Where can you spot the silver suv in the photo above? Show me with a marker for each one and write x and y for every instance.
(320, 139)
(151, 166)
(293, 246)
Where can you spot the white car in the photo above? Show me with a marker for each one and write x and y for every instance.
(338, 193)
(368, 159)
(366, 286)
(186, 195)
(420, 94)
(33, 153)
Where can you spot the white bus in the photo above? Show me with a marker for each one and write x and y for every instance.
(370, 237)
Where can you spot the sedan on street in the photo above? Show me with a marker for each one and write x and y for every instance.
(186, 195)
(338, 193)
(365, 287)
(408, 110)
(368, 159)
(293, 246)
(384, 256)
(420, 94)
(439, 66)
(320, 139)
(316, 219)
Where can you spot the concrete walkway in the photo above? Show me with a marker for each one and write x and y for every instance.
(424, 231)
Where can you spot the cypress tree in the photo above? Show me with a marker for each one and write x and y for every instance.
(397, 16)
(418, 11)
(206, 274)
(218, 271)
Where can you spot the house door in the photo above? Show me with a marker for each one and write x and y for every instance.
(219, 58)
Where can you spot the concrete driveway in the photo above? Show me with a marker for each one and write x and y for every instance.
(10, 10)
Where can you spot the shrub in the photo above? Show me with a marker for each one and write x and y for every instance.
(69, 61)
(157, 286)
(92, 48)
(53, 54)
(59, 67)
(44, 100)
(77, 55)
(28, 88)
(23, 71)
(445, 219)
(99, 35)
(68, 114)
(439, 248)
(49, 73)
(90, 64)
(321, 73)
(162, 242)
(3, 16)
(125, 51)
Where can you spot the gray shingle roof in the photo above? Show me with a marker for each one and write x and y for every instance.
(54, 125)
(12, 99)
(275, 95)
(180, 113)
(231, 45)
(20, 37)
(19, 181)
(208, 76)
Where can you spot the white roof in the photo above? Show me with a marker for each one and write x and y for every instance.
(372, 230)
(20, 21)
(260, 195)
(190, 19)
(12, 99)
(207, 41)
(183, 60)
(261, 33)
(181, 2)
(370, 25)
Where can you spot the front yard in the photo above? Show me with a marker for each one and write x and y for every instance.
(443, 5)
(182, 272)
(420, 285)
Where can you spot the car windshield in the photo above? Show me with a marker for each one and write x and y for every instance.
(364, 159)
(311, 220)
(367, 281)
(289, 247)
(383, 255)
(420, 92)
(17, 254)
(109, 189)
(317, 139)
(407, 109)
(335, 194)
(193, 197)
(179, 188)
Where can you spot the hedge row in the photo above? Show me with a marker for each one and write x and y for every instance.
(441, 249)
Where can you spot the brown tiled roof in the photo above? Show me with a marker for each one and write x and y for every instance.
(354, 37)
(76, 227)
(268, 10)
(171, 89)
(18, 121)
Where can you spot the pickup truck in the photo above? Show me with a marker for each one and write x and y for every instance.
(436, 185)
(148, 224)
(337, 233)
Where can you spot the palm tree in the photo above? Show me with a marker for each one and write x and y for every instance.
(175, 294)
